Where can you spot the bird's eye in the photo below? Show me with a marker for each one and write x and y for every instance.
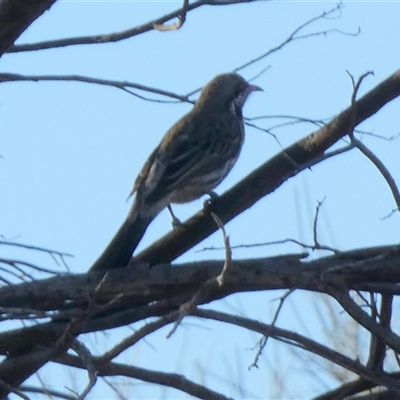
(237, 94)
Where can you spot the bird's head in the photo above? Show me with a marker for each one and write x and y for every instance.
(226, 91)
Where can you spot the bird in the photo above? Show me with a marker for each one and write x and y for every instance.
(193, 157)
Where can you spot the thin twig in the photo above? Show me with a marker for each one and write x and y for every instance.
(37, 248)
(136, 337)
(47, 392)
(122, 85)
(364, 149)
(228, 252)
(15, 264)
(356, 312)
(87, 360)
(176, 381)
(292, 37)
(209, 287)
(13, 390)
(263, 341)
(317, 245)
(381, 168)
(304, 343)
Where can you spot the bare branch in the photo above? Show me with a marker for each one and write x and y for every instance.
(75, 305)
(212, 286)
(11, 389)
(114, 389)
(228, 252)
(377, 350)
(381, 168)
(176, 381)
(369, 265)
(383, 333)
(37, 248)
(304, 343)
(317, 245)
(122, 85)
(136, 337)
(87, 360)
(364, 149)
(352, 388)
(360, 268)
(10, 313)
(55, 393)
(21, 277)
(118, 36)
(263, 341)
(295, 36)
(16, 264)
(291, 38)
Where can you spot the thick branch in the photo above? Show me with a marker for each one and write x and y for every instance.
(356, 267)
(123, 85)
(161, 289)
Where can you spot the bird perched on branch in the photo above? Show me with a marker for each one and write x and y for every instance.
(193, 157)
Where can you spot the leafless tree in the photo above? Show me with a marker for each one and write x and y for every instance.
(361, 283)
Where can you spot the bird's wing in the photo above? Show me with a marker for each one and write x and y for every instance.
(174, 162)
(191, 151)
(144, 172)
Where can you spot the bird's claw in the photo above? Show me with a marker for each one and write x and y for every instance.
(176, 223)
(207, 203)
(212, 194)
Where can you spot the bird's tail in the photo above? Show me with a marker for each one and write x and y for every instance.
(119, 251)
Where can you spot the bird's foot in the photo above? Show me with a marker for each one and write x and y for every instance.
(207, 203)
(176, 222)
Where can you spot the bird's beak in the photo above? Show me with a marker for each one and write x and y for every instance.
(253, 88)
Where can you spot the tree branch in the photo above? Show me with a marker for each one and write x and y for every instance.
(118, 36)
(305, 344)
(176, 381)
(122, 85)
(162, 289)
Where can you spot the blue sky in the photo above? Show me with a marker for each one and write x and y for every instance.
(70, 151)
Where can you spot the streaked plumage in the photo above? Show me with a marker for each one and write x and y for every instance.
(193, 157)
